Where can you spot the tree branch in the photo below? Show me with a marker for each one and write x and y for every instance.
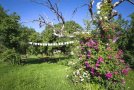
(120, 1)
(90, 6)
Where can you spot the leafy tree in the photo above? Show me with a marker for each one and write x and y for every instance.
(129, 47)
(9, 28)
(47, 36)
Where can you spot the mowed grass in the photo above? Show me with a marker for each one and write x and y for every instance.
(40, 76)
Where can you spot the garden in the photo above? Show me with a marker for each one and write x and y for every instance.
(67, 55)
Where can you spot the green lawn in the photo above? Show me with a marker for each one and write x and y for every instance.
(130, 81)
(39, 75)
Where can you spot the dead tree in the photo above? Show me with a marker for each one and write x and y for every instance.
(53, 8)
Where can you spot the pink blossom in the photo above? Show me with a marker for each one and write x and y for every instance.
(125, 71)
(92, 71)
(122, 61)
(117, 56)
(100, 59)
(96, 47)
(108, 75)
(109, 57)
(97, 64)
(81, 42)
(87, 64)
(115, 72)
(120, 52)
(92, 42)
(89, 44)
(88, 54)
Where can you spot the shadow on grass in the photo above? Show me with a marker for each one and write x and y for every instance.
(43, 60)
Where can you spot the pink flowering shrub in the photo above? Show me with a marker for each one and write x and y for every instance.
(100, 60)
(100, 63)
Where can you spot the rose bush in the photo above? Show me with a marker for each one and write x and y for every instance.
(100, 59)
(100, 63)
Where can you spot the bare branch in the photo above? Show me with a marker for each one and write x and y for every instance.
(53, 7)
(90, 6)
(78, 8)
(132, 2)
(41, 3)
(120, 1)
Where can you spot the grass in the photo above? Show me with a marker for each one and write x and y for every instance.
(130, 81)
(40, 76)
(43, 74)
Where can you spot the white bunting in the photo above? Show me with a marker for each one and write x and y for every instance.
(36, 43)
(30, 42)
(61, 43)
(51, 44)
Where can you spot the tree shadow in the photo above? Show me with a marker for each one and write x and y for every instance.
(43, 60)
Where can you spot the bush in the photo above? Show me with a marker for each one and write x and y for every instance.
(10, 56)
(100, 63)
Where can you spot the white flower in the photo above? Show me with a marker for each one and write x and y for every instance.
(100, 18)
(105, 17)
(77, 72)
(98, 5)
(84, 74)
(80, 69)
(82, 79)
(98, 12)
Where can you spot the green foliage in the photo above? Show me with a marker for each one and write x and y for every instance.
(101, 62)
(130, 45)
(10, 56)
(47, 36)
(27, 35)
(126, 41)
(9, 28)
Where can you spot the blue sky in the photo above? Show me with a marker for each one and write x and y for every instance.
(28, 10)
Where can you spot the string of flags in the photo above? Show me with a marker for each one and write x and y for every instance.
(84, 32)
(51, 44)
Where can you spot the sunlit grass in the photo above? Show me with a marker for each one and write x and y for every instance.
(130, 81)
(35, 77)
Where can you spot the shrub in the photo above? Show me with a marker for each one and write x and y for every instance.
(10, 56)
(100, 63)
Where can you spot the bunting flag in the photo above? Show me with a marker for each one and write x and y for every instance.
(51, 44)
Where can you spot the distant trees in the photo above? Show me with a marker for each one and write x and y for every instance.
(126, 41)
(48, 36)
(14, 37)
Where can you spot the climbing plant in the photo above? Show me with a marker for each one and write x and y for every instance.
(100, 59)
